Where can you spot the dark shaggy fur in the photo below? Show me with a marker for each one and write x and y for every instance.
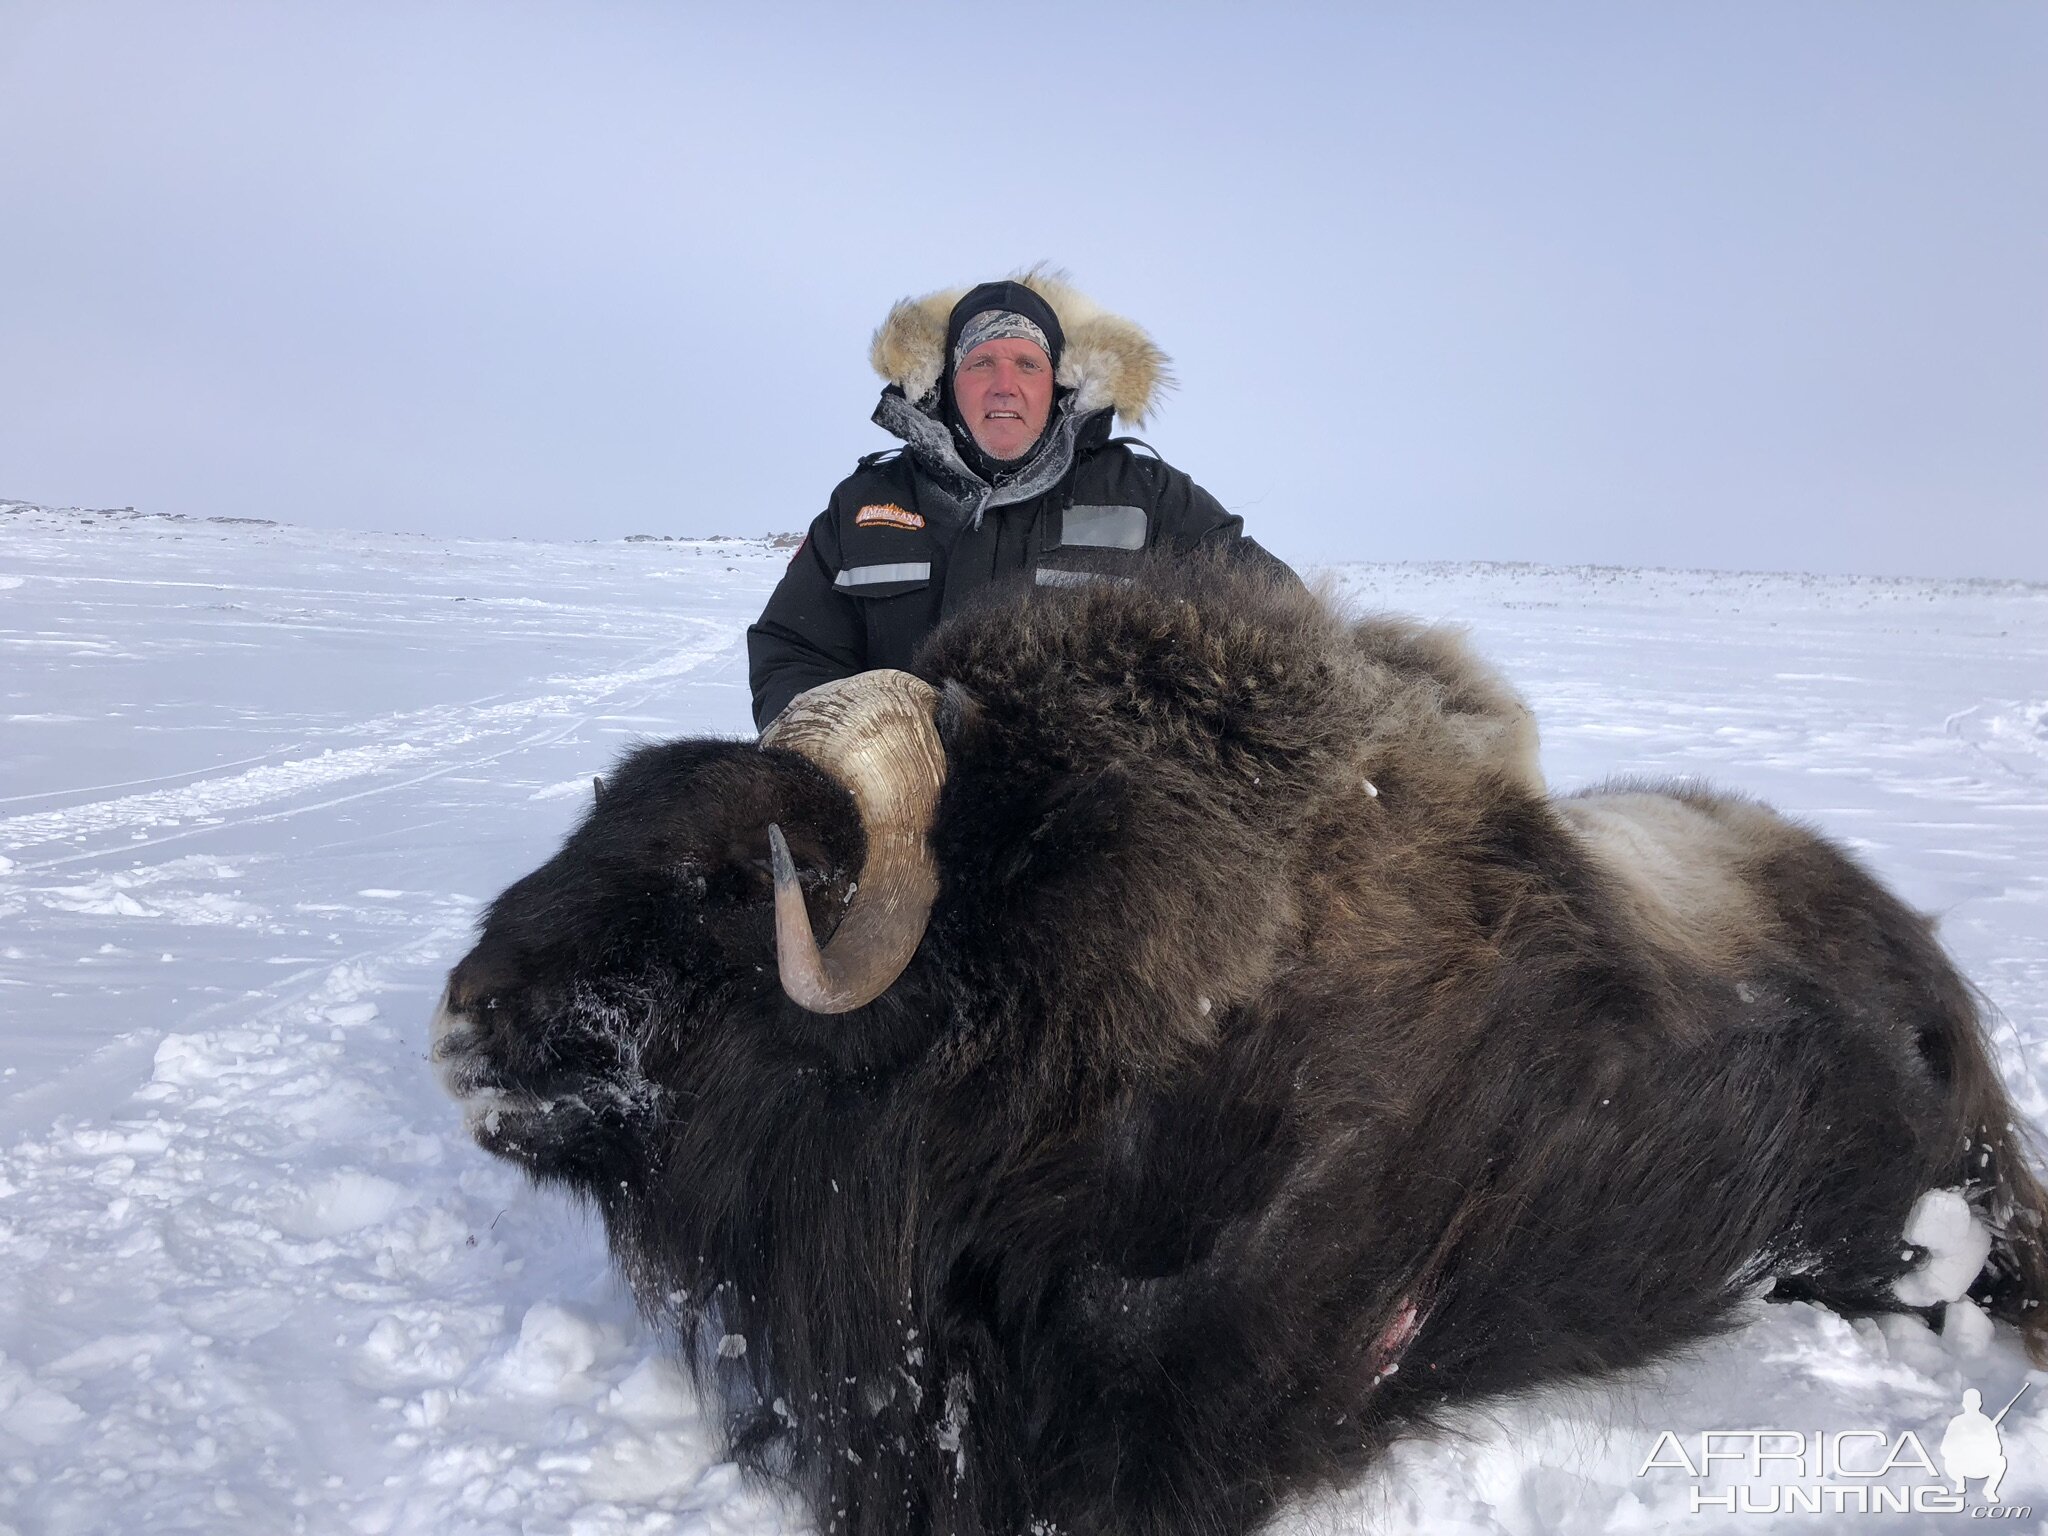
(1232, 1117)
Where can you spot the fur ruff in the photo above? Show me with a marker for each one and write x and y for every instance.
(1108, 360)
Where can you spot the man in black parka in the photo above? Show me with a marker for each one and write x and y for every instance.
(1003, 397)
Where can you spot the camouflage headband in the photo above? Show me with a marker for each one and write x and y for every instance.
(995, 325)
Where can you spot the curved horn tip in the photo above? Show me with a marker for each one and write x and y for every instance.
(805, 980)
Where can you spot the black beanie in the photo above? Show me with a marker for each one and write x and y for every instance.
(1006, 295)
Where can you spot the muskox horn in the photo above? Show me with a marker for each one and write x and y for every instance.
(874, 734)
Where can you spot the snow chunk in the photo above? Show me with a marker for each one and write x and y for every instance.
(185, 1059)
(430, 1409)
(654, 1390)
(346, 1202)
(1957, 1245)
(644, 1468)
(238, 1313)
(32, 1412)
(1966, 1327)
(103, 899)
(555, 1348)
(119, 1139)
(113, 1351)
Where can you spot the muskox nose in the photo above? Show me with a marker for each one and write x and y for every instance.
(452, 1018)
(459, 1051)
(475, 985)
(446, 1020)
(471, 1023)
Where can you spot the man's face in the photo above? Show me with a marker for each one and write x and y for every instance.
(1004, 391)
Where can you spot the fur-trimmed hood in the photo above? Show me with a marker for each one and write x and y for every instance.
(1107, 361)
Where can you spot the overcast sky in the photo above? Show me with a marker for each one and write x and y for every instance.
(1722, 284)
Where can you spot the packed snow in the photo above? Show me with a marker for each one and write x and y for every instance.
(256, 783)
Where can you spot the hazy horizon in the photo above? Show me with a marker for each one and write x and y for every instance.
(1721, 287)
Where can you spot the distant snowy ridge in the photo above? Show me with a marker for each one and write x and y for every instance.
(14, 508)
(130, 514)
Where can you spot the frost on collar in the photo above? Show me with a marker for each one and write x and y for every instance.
(1108, 361)
(932, 446)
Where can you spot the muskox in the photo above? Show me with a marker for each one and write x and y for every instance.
(1224, 1054)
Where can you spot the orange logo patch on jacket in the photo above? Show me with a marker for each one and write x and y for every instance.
(886, 515)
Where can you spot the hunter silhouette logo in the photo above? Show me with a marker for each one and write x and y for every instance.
(1854, 1471)
(1972, 1447)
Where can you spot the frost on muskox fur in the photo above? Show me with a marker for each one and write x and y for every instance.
(1272, 1063)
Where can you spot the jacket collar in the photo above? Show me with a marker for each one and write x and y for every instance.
(933, 450)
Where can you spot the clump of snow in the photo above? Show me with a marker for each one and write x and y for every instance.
(654, 1390)
(100, 899)
(346, 1202)
(556, 1347)
(182, 1059)
(1957, 1245)
(1967, 1328)
(31, 1412)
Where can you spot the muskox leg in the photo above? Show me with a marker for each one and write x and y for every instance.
(1208, 1354)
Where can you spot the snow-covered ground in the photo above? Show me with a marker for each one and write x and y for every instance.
(256, 781)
